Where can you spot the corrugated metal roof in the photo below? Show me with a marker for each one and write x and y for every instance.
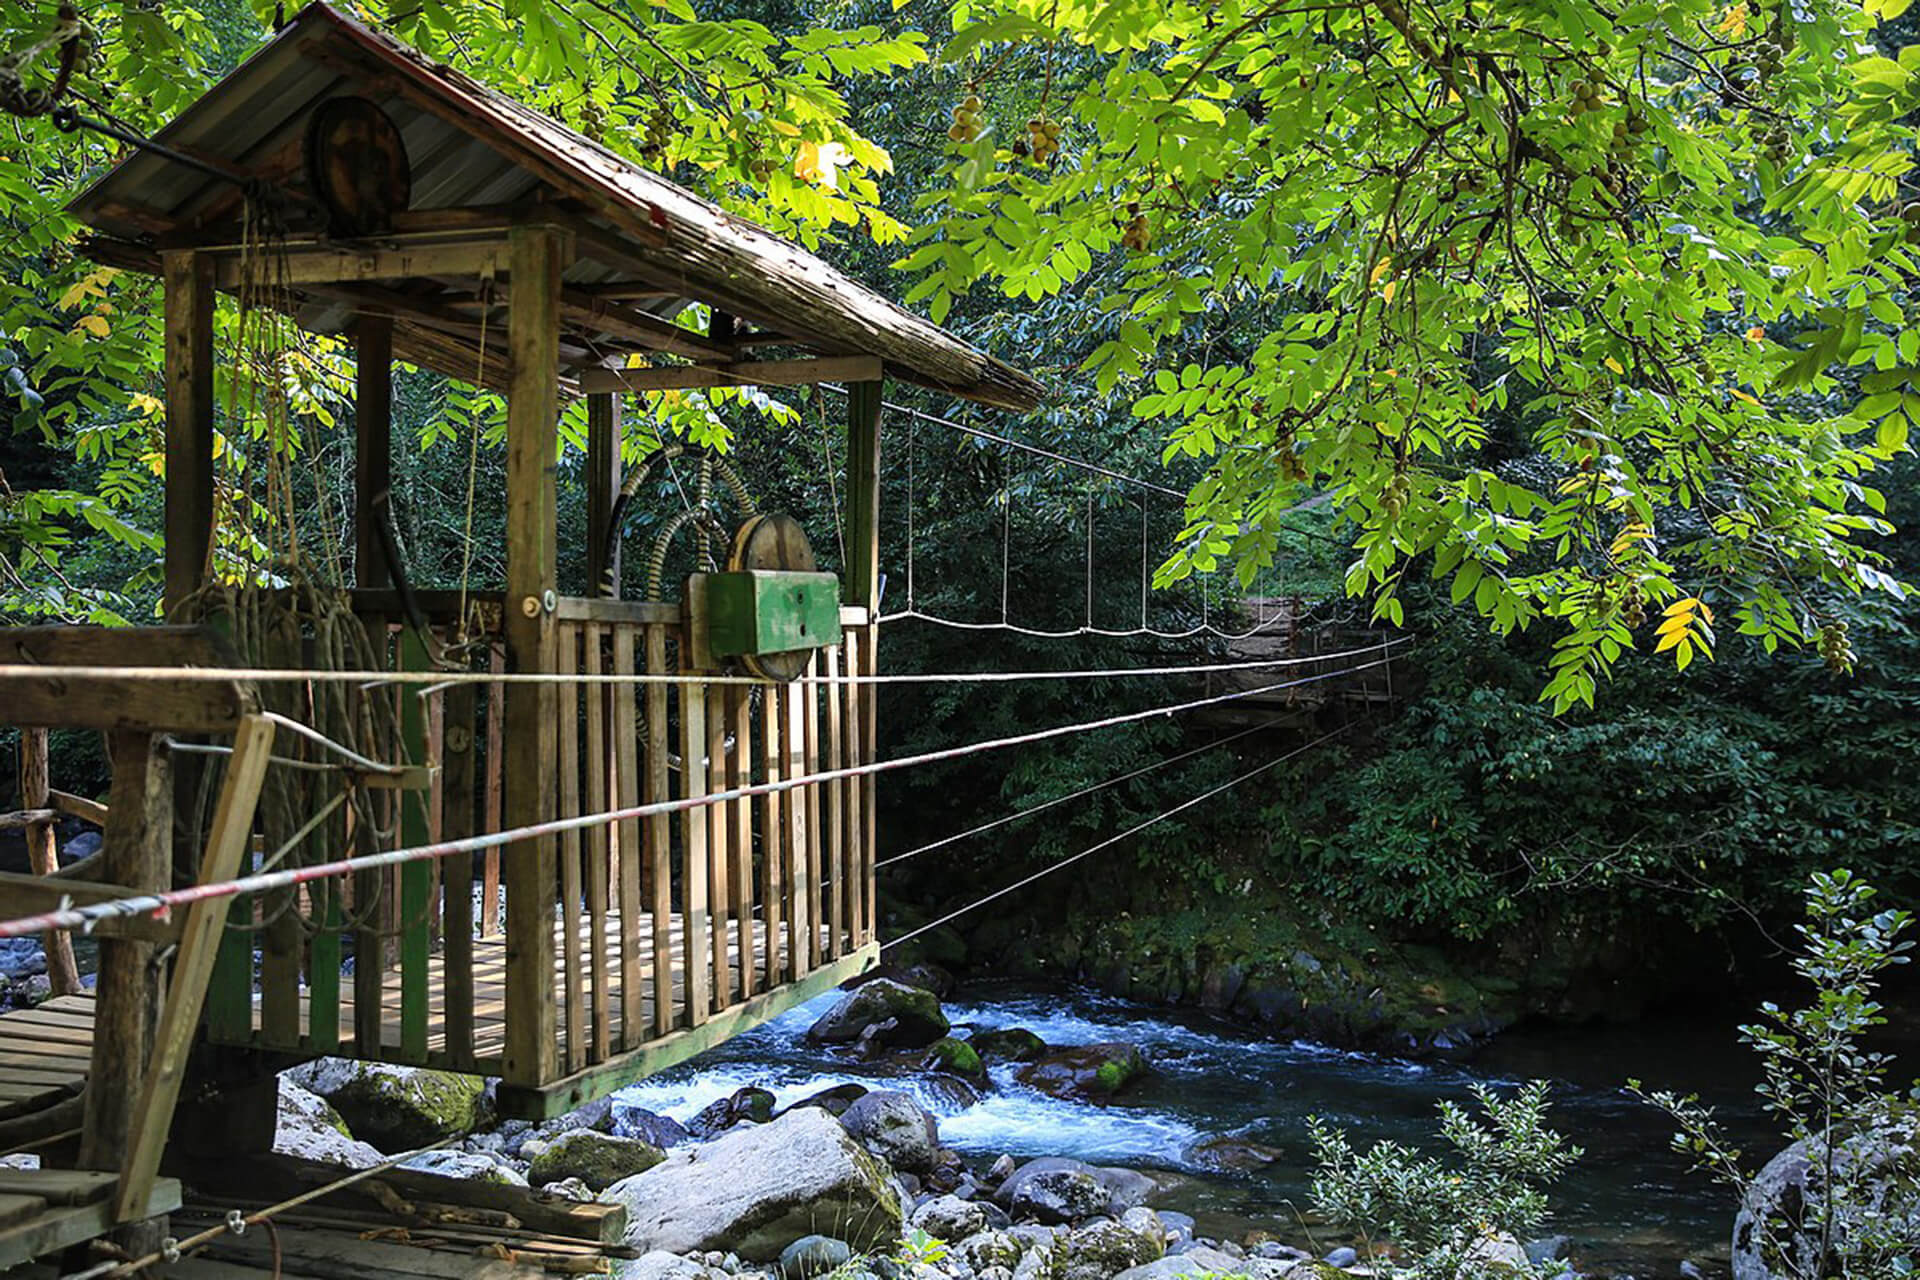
(471, 148)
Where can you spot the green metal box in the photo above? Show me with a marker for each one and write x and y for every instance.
(754, 611)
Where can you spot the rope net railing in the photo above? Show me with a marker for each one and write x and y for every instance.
(161, 904)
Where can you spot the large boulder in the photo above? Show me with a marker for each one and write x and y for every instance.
(952, 1054)
(745, 1106)
(1009, 1044)
(915, 1015)
(1056, 1189)
(307, 1127)
(597, 1159)
(1204, 1261)
(754, 1191)
(397, 1108)
(648, 1126)
(1088, 1073)
(895, 1127)
(1105, 1248)
(1876, 1171)
(468, 1166)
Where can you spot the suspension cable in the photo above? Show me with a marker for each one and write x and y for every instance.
(1109, 842)
(159, 904)
(1030, 810)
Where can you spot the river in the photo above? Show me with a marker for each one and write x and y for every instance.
(1630, 1205)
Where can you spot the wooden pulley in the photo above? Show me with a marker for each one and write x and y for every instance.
(357, 166)
(776, 542)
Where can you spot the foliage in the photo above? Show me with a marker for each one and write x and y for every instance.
(1646, 237)
(1829, 1092)
(1441, 1212)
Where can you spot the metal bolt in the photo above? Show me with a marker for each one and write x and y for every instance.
(530, 607)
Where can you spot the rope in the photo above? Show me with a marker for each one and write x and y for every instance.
(1109, 842)
(1074, 633)
(450, 679)
(1030, 810)
(159, 904)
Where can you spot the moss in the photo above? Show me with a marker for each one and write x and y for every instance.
(597, 1159)
(1010, 1044)
(1110, 1076)
(955, 1055)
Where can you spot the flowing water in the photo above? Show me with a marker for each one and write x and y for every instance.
(1629, 1205)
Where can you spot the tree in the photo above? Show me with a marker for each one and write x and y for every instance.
(1565, 287)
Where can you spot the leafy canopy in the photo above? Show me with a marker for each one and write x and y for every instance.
(1566, 290)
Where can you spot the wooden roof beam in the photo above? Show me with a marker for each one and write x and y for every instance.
(597, 314)
(746, 373)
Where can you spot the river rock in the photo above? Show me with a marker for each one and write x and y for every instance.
(1180, 1228)
(661, 1265)
(1055, 1190)
(895, 1127)
(748, 1104)
(1880, 1165)
(1106, 1248)
(1009, 1044)
(925, 976)
(955, 1056)
(1092, 1073)
(569, 1189)
(915, 1015)
(307, 1127)
(1342, 1257)
(397, 1108)
(985, 1249)
(754, 1191)
(1498, 1254)
(597, 1159)
(469, 1166)
(812, 1256)
(950, 1218)
(1231, 1155)
(1203, 1260)
(834, 1101)
(648, 1126)
(1549, 1249)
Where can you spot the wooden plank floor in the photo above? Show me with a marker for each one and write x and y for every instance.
(44, 1053)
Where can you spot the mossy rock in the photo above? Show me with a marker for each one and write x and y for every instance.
(1092, 1072)
(1009, 1044)
(951, 1054)
(915, 1016)
(597, 1159)
(399, 1108)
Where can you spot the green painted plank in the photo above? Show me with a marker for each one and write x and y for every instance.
(230, 990)
(323, 974)
(771, 611)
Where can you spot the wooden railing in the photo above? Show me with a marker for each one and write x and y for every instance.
(688, 922)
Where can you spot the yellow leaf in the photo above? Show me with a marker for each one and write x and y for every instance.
(1706, 613)
(95, 325)
(1386, 294)
(146, 405)
(820, 163)
(1381, 268)
(1738, 394)
(75, 296)
(1670, 639)
(1685, 604)
(1614, 365)
(1674, 626)
(1736, 19)
(1756, 334)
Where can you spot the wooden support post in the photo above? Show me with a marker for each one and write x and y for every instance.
(188, 311)
(457, 822)
(863, 589)
(415, 877)
(228, 840)
(136, 852)
(43, 858)
(373, 441)
(603, 482)
(537, 256)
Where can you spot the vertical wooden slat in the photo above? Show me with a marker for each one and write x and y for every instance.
(869, 752)
(695, 851)
(323, 964)
(816, 891)
(603, 482)
(415, 877)
(43, 857)
(864, 403)
(629, 759)
(659, 836)
(836, 818)
(457, 822)
(719, 848)
(600, 842)
(573, 984)
(538, 255)
(857, 837)
(740, 832)
(799, 890)
(496, 731)
(773, 843)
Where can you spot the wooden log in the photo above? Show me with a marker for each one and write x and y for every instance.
(604, 432)
(137, 854)
(188, 324)
(743, 373)
(229, 837)
(538, 256)
(79, 807)
(63, 975)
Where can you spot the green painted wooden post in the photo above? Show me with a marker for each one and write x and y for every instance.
(323, 973)
(416, 878)
(230, 990)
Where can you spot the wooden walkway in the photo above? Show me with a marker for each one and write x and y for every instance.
(44, 1053)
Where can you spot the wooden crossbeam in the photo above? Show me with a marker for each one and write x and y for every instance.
(745, 373)
(590, 311)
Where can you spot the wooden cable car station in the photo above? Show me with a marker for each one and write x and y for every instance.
(439, 223)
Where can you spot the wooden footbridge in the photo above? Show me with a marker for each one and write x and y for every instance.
(475, 237)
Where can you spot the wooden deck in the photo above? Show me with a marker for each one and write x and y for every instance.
(45, 1210)
(43, 1054)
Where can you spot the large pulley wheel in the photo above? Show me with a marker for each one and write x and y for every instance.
(773, 541)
